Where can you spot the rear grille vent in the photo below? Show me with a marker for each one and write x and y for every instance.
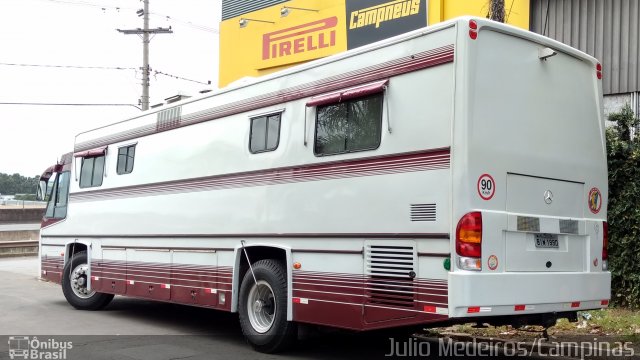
(569, 226)
(528, 223)
(390, 270)
(423, 212)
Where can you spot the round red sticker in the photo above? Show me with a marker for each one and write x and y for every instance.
(595, 200)
(486, 187)
(492, 262)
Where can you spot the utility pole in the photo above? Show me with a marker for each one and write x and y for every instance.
(497, 11)
(144, 34)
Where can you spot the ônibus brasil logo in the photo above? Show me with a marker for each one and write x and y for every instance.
(25, 347)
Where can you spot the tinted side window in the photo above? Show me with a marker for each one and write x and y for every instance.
(57, 205)
(350, 126)
(265, 133)
(126, 155)
(92, 171)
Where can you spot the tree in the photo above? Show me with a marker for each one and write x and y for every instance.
(623, 157)
(17, 184)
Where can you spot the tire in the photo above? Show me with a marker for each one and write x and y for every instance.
(76, 296)
(265, 324)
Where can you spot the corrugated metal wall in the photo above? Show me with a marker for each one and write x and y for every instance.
(606, 29)
(233, 8)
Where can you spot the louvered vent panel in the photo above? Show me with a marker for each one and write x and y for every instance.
(568, 226)
(170, 118)
(389, 281)
(528, 223)
(423, 212)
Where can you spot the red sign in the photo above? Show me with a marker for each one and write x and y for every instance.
(300, 39)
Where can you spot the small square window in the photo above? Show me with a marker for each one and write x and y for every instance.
(126, 155)
(265, 133)
(92, 171)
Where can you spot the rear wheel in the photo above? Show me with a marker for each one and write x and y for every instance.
(74, 285)
(263, 308)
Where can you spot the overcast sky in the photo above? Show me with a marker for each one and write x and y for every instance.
(82, 33)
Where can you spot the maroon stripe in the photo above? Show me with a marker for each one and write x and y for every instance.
(323, 251)
(426, 254)
(290, 235)
(378, 165)
(365, 75)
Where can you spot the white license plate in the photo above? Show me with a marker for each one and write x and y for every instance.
(546, 241)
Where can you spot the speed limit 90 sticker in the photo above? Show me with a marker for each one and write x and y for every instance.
(486, 186)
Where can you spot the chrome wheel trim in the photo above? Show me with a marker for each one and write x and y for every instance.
(79, 280)
(261, 306)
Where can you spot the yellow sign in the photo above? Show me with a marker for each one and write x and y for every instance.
(259, 48)
(274, 38)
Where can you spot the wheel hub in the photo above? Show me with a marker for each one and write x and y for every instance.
(261, 306)
(79, 282)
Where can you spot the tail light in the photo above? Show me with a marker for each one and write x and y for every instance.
(473, 29)
(469, 241)
(599, 71)
(605, 243)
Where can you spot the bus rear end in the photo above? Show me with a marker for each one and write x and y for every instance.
(529, 173)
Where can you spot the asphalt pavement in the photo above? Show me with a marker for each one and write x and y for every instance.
(34, 315)
(139, 329)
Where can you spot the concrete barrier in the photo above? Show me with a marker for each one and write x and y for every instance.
(19, 230)
(13, 215)
(19, 248)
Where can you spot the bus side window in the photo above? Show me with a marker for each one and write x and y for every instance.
(92, 171)
(57, 205)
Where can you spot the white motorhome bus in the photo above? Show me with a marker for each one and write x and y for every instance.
(454, 173)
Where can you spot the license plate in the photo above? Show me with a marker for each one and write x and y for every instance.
(546, 241)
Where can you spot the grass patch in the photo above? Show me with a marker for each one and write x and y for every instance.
(616, 322)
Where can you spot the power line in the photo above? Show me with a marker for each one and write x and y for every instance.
(118, 8)
(156, 72)
(65, 104)
(69, 66)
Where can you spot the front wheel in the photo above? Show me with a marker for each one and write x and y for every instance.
(74, 285)
(263, 308)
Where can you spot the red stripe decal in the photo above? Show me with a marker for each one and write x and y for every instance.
(364, 75)
(432, 159)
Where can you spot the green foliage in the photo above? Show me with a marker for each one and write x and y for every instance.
(17, 184)
(27, 197)
(623, 153)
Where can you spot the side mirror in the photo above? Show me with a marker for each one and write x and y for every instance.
(41, 193)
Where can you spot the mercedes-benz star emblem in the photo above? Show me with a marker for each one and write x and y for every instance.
(548, 197)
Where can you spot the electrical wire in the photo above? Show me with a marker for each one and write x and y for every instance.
(156, 72)
(65, 104)
(69, 66)
(118, 8)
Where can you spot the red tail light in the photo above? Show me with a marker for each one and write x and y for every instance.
(469, 235)
(599, 70)
(605, 241)
(473, 28)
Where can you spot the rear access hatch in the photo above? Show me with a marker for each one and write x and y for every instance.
(548, 237)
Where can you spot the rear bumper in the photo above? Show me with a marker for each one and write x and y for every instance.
(526, 293)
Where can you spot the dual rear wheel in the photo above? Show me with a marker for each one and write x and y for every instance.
(263, 307)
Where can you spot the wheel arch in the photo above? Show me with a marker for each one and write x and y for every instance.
(256, 252)
(73, 247)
